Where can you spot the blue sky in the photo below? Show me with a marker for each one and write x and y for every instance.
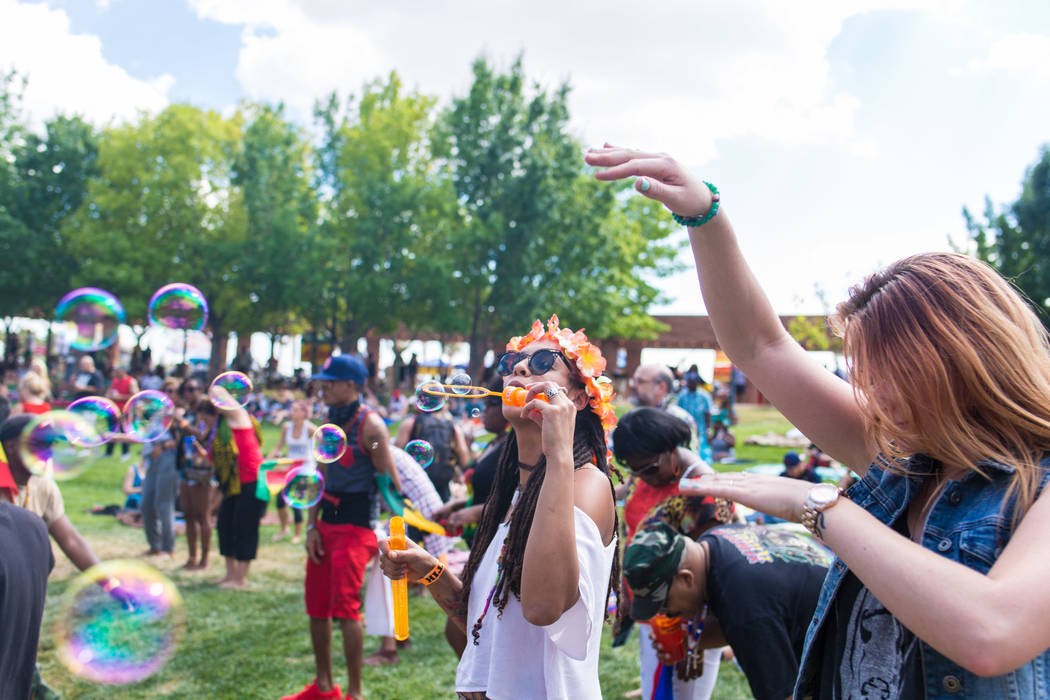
(844, 134)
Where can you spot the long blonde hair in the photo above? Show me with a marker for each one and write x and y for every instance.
(948, 360)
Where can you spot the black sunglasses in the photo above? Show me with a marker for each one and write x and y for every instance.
(540, 362)
(647, 469)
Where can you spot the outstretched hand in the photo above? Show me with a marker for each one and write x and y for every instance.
(660, 177)
(778, 496)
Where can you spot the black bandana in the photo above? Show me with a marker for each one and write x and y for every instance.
(341, 415)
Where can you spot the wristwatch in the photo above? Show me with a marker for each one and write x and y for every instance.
(820, 498)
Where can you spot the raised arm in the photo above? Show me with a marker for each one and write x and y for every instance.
(817, 402)
(990, 623)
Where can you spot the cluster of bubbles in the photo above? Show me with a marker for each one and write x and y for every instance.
(61, 443)
(421, 451)
(430, 396)
(230, 390)
(329, 443)
(95, 315)
(120, 622)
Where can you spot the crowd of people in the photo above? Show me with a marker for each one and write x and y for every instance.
(921, 578)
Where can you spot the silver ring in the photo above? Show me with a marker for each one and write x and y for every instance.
(552, 392)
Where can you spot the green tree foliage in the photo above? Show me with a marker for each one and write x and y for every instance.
(43, 179)
(1016, 239)
(537, 234)
(273, 171)
(162, 209)
(382, 201)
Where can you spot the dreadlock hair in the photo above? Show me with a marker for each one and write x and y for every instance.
(588, 448)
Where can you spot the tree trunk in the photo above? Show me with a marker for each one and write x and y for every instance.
(219, 338)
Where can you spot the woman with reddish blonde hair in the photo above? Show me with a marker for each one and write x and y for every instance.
(940, 583)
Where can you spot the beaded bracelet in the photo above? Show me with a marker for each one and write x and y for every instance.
(700, 219)
(434, 574)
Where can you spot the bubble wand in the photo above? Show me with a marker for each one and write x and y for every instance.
(399, 586)
(512, 395)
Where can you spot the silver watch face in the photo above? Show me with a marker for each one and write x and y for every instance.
(823, 494)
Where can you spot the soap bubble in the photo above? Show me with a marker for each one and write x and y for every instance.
(329, 443)
(236, 384)
(58, 444)
(430, 402)
(120, 622)
(147, 415)
(460, 384)
(178, 306)
(421, 451)
(102, 414)
(95, 313)
(304, 487)
(475, 412)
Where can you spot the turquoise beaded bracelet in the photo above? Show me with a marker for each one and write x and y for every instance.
(700, 220)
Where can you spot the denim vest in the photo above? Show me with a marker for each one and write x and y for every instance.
(965, 525)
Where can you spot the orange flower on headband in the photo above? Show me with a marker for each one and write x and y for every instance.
(588, 360)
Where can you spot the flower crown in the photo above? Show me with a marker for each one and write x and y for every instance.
(589, 362)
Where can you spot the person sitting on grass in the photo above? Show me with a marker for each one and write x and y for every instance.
(535, 589)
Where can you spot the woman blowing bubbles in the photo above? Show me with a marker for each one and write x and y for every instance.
(534, 592)
(940, 587)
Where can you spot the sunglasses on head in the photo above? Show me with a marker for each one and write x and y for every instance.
(540, 362)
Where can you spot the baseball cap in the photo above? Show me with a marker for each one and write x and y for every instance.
(791, 459)
(650, 563)
(343, 368)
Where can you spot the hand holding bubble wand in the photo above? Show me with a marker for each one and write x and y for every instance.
(512, 395)
(399, 587)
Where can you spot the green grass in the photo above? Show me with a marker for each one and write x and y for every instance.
(255, 644)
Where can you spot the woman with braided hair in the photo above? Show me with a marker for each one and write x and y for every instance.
(545, 554)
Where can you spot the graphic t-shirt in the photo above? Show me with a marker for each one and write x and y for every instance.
(867, 651)
(762, 585)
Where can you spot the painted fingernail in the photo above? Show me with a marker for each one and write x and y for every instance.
(643, 184)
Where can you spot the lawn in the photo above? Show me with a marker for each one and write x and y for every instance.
(254, 643)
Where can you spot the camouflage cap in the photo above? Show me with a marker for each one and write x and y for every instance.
(650, 563)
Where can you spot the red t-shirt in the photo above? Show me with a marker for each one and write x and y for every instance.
(249, 455)
(123, 387)
(36, 408)
(641, 500)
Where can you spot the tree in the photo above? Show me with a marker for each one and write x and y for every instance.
(43, 179)
(273, 171)
(1016, 239)
(537, 234)
(381, 199)
(163, 208)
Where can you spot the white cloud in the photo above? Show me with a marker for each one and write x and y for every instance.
(680, 72)
(67, 72)
(1021, 53)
